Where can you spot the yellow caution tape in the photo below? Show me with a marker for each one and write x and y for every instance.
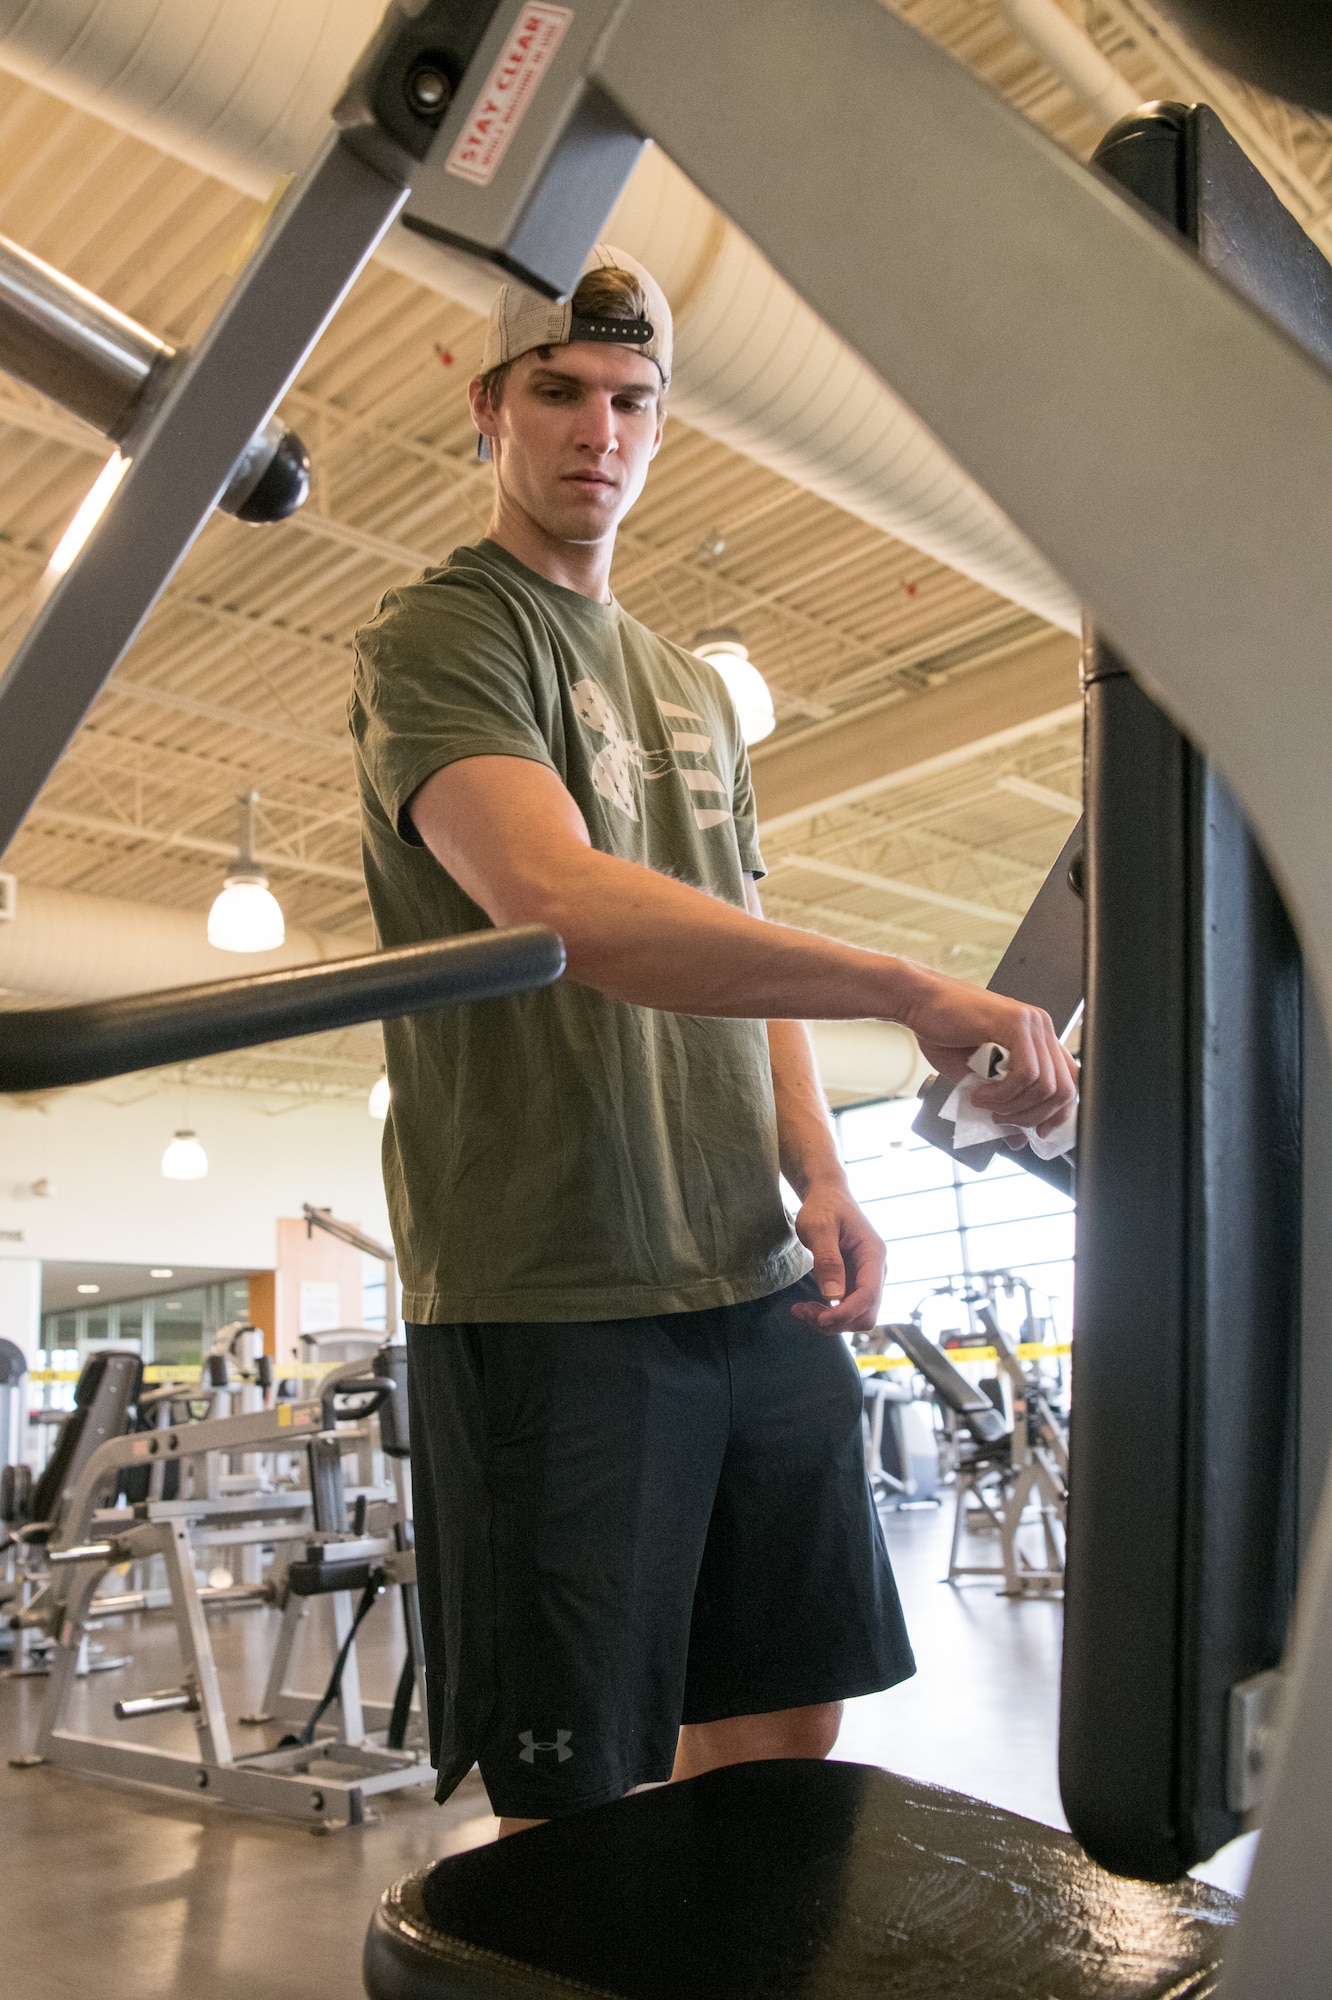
(192, 1371)
(1028, 1350)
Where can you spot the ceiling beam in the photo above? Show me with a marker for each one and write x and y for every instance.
(124, 689)
(900, 741)
(914, 892)
(192, 843)
(1041, 795)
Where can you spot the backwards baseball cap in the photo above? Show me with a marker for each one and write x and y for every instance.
(520, 321)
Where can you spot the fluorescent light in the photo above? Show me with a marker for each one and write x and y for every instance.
(379, 1097)
(184, 1159)
(160, 1273)
(726, 651)
(89, 514)
(89, 1289)
(246, 916)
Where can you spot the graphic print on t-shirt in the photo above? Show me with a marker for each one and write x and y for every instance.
(613, 766)
(698, 777)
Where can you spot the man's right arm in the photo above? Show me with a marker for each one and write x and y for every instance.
(512, 836)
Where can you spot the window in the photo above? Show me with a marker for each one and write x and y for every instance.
(235, 1301)
(178, 1327)
(374, 1292)
(944, 1224)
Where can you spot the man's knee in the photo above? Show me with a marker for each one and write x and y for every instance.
(743, 1739)
(811, 1732)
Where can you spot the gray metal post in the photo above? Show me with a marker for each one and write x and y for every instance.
(196, 1648)
(318, 240)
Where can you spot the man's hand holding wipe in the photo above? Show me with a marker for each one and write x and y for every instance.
(1040, 1086)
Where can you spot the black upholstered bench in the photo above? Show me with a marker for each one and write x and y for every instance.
(776, 1880)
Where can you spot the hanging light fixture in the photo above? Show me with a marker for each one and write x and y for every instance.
(379, 1096)
(246, 916)
(184, 1159)
(724, 649)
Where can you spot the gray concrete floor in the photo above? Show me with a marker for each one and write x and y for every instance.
(122, 1895)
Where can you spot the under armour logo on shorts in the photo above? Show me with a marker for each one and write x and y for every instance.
(559, 1749)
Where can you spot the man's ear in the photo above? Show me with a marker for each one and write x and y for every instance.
(483, 414)
(661, 431)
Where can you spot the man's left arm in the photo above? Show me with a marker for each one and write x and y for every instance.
(848, 1256)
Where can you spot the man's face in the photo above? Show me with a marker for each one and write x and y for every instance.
(573, 436)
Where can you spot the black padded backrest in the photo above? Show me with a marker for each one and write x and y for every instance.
(1182, 1520)
(952, 1388)
(104, 1394)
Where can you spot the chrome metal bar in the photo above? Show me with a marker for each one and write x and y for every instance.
(164, 1703)
(76, 349)
(44, 1048)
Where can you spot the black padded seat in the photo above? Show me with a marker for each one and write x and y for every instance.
(793, 1881)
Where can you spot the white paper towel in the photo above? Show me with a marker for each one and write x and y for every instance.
(974, 1126)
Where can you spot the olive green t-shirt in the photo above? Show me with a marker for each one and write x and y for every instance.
(560, 1155)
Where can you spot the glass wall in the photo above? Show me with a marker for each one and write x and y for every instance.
(945, 1225)
(170, 1327)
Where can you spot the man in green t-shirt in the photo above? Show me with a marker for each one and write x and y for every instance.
(646, 1542)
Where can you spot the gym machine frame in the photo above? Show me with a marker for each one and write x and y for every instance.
(323, 1783)
(1024, 312)
(1025, 1463)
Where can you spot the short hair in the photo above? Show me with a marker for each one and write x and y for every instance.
(604, 292)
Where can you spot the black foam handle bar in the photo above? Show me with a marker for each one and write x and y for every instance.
(45, 1048)
(320, 1579)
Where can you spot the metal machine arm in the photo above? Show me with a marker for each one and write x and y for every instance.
(48, 1048)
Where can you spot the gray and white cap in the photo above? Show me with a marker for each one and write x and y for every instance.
(520, 320)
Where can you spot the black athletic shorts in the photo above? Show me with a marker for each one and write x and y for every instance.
(622, 1525)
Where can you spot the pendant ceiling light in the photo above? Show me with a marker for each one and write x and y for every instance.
(379, 1097)
(724, 649)
(247, 915)
(184, 1159)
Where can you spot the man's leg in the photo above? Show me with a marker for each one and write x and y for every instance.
(747, 1739)
(795, 1607)
(741, 1739)
(569, 1474)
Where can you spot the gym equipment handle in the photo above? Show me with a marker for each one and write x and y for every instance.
(137, 1705)
(45, 1048)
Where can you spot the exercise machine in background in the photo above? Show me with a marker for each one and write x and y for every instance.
(320, 1487)
(1013, 1475)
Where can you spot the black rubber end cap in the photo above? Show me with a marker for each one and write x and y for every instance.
(284, 487)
